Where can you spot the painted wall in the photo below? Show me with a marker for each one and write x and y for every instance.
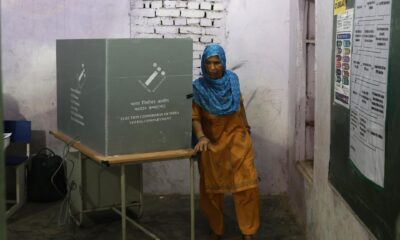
(258, 38)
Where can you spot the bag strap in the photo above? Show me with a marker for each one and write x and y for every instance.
(46, 150)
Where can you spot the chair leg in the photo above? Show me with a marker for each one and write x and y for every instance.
(19, 190)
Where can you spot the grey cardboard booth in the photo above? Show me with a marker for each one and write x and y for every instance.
(124, 96)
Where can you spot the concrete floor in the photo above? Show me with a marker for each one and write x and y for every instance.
(167, 216)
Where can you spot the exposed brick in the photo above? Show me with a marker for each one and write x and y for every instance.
(193, 21)
(136, 4)
(146, 35)
(195, 30)
(181, 4)
(167, 21)
(144, 21)
(153, 21)
(146, 4)
(166, 30)
(144, 12)
(180, 21)
(138, 20)
(175, 36)
(214, 15)
(156, 4)
(198, 46)
(143, 29)
(169, 4)
(194, 37)
(206, 39)
(213, 31)
(218, 7)
(197, 54)
(205, 6)
(197, 69)
(168, 12)
(193, 5)
(204, 22)
(218, 23)
(196, 62)
(192, 13)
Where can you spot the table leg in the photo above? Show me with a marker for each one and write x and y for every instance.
(192, 229)
(123, 202)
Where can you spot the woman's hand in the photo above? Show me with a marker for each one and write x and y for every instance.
(202, 145)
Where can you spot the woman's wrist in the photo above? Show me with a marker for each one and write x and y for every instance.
(202, 137)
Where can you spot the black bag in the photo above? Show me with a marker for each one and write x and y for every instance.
(44, 183)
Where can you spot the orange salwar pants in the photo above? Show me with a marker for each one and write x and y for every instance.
(247, 207)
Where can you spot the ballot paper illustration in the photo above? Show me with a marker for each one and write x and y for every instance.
(154, 81)
(81, 79)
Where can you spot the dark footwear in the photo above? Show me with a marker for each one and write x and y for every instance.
(213, 236)
(247, 237)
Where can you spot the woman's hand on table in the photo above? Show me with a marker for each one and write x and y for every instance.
(202, 145)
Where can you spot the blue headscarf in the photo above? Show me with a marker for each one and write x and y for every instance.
(217, 96)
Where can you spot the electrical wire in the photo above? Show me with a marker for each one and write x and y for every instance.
(63, 215)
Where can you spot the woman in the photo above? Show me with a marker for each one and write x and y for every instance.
(226, 152)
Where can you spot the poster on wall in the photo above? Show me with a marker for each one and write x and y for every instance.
(340, 7)
(344, 34)
(369, 74)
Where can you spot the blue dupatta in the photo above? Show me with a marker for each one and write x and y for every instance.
(217, 96)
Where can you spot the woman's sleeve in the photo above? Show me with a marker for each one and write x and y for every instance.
(243, 114)
(196, 111)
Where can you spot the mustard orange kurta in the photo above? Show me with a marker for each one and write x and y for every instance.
(228, 164)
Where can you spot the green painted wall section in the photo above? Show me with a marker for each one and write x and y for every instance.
(377, 207)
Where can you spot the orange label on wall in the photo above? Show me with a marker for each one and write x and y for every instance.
(340, 7)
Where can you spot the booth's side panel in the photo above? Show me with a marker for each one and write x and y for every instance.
(95, 187)
(148, 84)
(102, 185)
(81, 91)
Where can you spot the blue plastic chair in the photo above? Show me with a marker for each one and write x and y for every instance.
(21, 135)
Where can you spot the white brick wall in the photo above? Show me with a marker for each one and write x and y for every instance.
(206, 22)
(193, 13)
(169, 4)
(193, 5)
(168, 12)
(201, 20)
(206, 6)
(193, 21)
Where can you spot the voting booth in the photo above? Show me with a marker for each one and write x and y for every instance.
(121, 96)
(120, 103)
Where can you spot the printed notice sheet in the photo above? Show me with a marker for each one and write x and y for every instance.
(344, 32)
(369, 74)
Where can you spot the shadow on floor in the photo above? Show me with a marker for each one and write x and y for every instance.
(167, 216)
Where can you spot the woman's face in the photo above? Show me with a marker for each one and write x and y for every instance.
(214, 67)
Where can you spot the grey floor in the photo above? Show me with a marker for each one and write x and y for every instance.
(167, 216)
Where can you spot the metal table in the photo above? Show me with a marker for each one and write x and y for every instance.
(121, 161)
